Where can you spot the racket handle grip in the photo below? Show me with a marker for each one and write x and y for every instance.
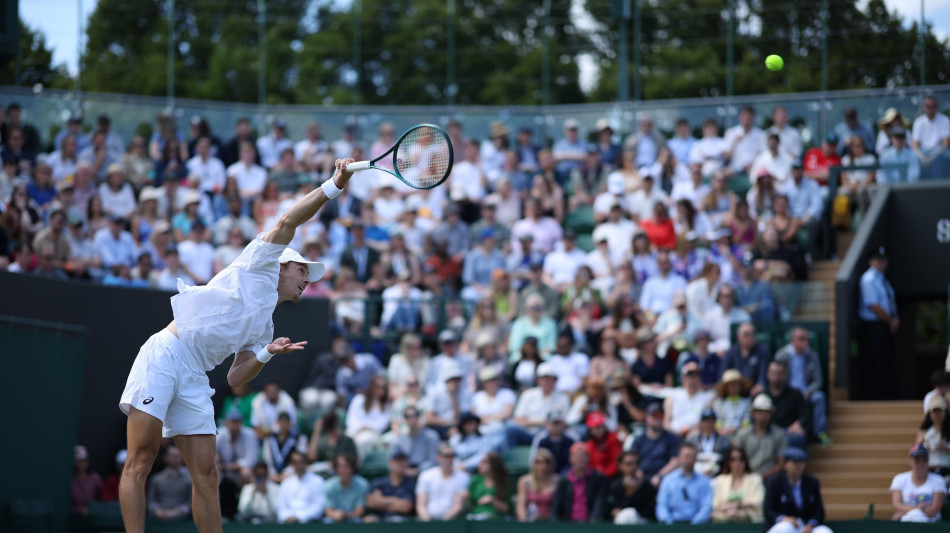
(359, 165)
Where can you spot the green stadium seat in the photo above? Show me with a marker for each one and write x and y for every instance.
(517, 460)
(584, 241)
(739, 184)
(375, 464)
(31, 515)
(105, 516)
(581, 219)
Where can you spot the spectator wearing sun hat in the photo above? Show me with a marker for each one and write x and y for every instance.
(732, 405)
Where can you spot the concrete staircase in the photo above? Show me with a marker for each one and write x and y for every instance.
(871, 444)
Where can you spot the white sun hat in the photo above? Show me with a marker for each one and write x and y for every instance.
(315, 268)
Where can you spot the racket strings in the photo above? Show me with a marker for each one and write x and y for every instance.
(422, 157)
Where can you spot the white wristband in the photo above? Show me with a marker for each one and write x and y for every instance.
(263, 355)
(330, 189)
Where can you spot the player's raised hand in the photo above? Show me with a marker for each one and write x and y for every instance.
(282, 345)
(342, 175)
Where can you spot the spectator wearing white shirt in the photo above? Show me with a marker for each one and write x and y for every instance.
(693, 190)
(234, 219)
(560, 266)
(266, 407)
(701, 293)
(369, 416)
(743, 141)
(64, 161)
(930, 139)
(667, 170)
(773, 160)
(601, 266)
(615, 194)
(401, 304)
(114, 245)
(442, 491)
(658, 290)
(571, 367)
(238, 447)
(719, 319)
(196, 254)
(345, 145)
(207, 167)
(790, 141)
(116, 194)
(467, 182)
(535, 404)
(494, 404)
(677, 326)
(682, 142)
(448, 361)
(492, 152)
(251, 177)
(167, 278)
(301, 498)
(918, 495)
(389, 206)
(642, 201)
(619, 233)
(710, 151)
(445, 405)
(271, 146)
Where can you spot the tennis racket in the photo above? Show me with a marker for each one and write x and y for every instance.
(422, 158)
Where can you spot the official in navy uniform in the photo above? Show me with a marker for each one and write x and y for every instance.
(877, 312)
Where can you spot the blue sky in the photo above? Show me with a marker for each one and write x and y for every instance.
(59, 21)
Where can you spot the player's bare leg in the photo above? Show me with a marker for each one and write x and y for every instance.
(145, 438)
(198, 452)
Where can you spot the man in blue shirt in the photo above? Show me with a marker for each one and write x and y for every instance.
(685, 495)
(805, 201)
(879, 323)
(393, 498)
(569, 151)
(898, 154)
(852, 127)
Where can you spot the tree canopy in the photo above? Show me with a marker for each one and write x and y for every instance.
(398, 52)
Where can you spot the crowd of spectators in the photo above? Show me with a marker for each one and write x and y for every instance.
(576, 300)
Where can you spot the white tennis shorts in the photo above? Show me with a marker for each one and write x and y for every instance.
(162, 385)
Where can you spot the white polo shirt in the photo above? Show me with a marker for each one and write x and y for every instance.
(250, 179)
(211, 171)
(745, 145)
(441, 491)
(930, 133)
(232, 313)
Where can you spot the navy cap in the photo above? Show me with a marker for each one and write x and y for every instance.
(708, 414)
(831, 138)
(878, 252)
(234, 416)
(655, 407)
(795, 454)
(397, 453)
(919, 450)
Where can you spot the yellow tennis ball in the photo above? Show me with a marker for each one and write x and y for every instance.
(774, 62)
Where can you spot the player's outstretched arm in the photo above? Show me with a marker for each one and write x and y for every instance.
(306, 207)
(247, 364)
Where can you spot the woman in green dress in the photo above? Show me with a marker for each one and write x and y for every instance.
(488, 491)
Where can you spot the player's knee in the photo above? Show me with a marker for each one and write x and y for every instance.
(138, 465)
(204, 473)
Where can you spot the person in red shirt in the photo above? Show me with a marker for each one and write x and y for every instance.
(660, 229)
(817, 161)
(110, 487)
(603, 446)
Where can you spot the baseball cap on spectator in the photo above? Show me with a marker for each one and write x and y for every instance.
(615, 184)
(679, 298)
(488, 373)
(483, 339)
(545, 370)
(592, 149)
(80, 453)
(397, 454)
(555, 415)
(121, 456)
(486, 233)
(572, 124)
(74, 119)
(702, 335)
(467, 417)
(234, 416)
(191, 197)
(898, 132)
(115, 168)
(66, 184)
(569, 235)
(595, 419)
(448, 335)
(526, 129)
(526, 237)
(75, 218)
(798, 163)
(602, 124)
(878, 252)
(690, 368)
(762, 402)
(654, 408)
(795, 454)
(831, 138)
(452, 372)
(149, 193)
(279, 123)
(919, 450)
(937, 402)
(161, 226)
(645, 334)
(708, 414)
(117, 218)
(601, 238)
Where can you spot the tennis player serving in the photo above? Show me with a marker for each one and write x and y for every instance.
(168, 393)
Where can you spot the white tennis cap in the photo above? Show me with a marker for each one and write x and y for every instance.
(316, 269)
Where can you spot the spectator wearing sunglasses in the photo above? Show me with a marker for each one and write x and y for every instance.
(442, 490)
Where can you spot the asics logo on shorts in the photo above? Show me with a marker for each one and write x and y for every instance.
(148, 400)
